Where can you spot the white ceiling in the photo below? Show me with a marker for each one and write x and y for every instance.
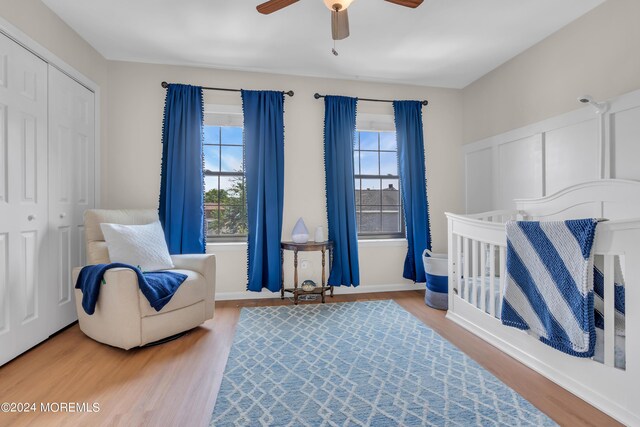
(447, 43)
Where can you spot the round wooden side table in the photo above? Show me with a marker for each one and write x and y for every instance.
(306, 247)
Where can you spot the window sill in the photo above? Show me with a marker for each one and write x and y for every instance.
(226, 246)
(374, 243)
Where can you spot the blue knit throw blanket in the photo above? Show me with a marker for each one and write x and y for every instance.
(158, 287)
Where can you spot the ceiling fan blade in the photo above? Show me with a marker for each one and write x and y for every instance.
(339, 24)
(274, 6)
(407, 3)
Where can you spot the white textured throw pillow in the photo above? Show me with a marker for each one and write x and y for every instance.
(138, 245)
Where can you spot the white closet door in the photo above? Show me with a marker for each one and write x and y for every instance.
(23, 200)
(71, 185)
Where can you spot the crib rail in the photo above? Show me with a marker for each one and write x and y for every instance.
(496, 216)
(477, 268)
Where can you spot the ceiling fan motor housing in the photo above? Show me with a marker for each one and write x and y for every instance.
(337, 4)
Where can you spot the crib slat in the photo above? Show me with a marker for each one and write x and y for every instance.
(467, 270)
(458, 264)
(474, 278)
(492, 274)
(503, 275)
(609, 312)
(483, 263)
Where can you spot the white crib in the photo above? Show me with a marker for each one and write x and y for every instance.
(477, 253)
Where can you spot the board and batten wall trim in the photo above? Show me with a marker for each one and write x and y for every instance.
(541, 158)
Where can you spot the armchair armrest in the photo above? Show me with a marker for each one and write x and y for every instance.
(205, 264)
(119, 301)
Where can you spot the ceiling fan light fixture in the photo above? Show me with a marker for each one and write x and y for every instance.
(340, 4)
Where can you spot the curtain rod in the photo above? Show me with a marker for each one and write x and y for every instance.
(318, 96)
(166, 85)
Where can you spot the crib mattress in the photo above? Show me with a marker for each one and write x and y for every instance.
(476, 291)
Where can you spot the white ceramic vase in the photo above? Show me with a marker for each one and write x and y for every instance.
(319, 236)
(300, 234)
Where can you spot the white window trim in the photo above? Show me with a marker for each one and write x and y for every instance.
(223, 115)
(375, 122)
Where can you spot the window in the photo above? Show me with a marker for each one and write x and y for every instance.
(224, 183)
(378, 202)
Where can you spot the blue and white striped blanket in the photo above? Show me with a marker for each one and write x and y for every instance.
(619, 295)
(550, 283)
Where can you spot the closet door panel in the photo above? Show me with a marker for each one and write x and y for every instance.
(4, 282)
(71, 183)
(4, 151)
(23, 203)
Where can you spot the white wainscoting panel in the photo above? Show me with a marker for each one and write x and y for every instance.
(572, 155)
(625, 147)
(520, 170)
(479, 180)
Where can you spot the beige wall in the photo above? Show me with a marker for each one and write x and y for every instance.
(36, 20)
(598, 54)
(136, 102)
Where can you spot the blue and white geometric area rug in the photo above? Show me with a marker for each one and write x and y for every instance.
(357, 364)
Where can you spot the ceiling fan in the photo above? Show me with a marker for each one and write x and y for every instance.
(339, 14)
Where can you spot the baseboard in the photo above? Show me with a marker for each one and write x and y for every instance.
(339, 290)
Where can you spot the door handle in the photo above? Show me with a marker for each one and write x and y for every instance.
(62, 215)
(31, 217)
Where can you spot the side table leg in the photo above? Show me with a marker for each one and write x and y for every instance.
(324, 279)
(295, 277)
(330, 266)
(282, 273)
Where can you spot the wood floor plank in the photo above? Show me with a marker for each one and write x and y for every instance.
(176, 383)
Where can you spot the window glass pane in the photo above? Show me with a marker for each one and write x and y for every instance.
(224, 197)
(356, 162)
(378, 199)
(211, 158)
(391, 219)
(233, 220)
(370, 192)
(211, 189)
(388, 141)
(212, 134)
(231, 159)
(390, 192)
(370, 220)
(231, 190)
(212, 221)
(231, 135)
(388, 163)
(368, 140)
(368, 163)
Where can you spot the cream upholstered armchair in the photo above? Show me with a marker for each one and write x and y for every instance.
(123, 316)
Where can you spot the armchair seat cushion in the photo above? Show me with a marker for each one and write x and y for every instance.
(191, 291)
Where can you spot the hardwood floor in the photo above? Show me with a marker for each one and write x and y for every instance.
(176, 383)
